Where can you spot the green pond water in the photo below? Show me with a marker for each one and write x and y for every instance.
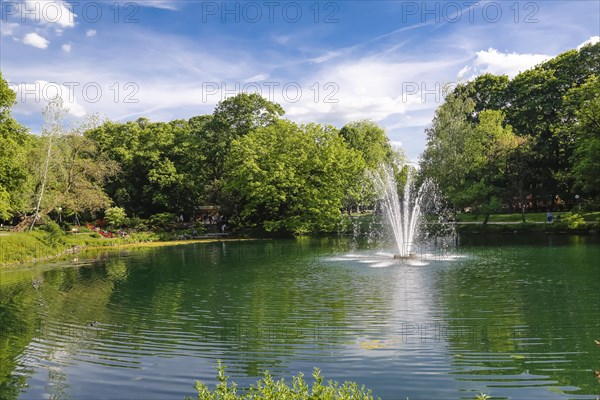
(514, 316)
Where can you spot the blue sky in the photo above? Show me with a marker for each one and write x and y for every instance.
(329, 62)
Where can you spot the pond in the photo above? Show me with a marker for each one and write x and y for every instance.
(514, 316)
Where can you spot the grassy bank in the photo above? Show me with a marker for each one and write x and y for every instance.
(577, 227)
(39, 245)
(529, 217)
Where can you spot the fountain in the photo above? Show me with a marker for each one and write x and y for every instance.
(403, 213)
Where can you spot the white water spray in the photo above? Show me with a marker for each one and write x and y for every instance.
(404, 214)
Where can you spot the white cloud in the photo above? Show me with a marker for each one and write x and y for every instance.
(8, 28)
(49, 12)
(257, 78)
(463, 72)
(32, 97)
(370, 88)
(281, 39)
(495, 62)
(66, 48)
(162, 4)
(326, 57)
(35, 40)
(90, 33)
(592, 40)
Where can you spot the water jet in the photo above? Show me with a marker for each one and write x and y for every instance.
(403, 213)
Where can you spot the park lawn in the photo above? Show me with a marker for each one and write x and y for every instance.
(529, 217)
(23, 247)
(593, 216)
(18, 247)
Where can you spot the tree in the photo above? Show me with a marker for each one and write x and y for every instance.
(519, 176)
(373, 146)
(14, 146)
(69, 169)
(536, 109)
(82, 172)
(370, 140)
(487, 91)
(467, 161)
(162, 165)
(584, 104)
(53, 120)
(492, 145)
(233, 118)
(445, 158)
(289, 178)
(239, 115)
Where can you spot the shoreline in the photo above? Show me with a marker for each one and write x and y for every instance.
(76, 249)
(527, 227)
(34, 249)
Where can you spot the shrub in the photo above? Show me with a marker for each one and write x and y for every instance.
(115, 216)
(576, 221)
(54, 234)
(268, 389)
(162, 220)
(137, 223)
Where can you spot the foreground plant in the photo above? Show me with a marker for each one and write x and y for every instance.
(269, 389)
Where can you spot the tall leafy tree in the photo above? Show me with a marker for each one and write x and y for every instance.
(70, 172)
(446, 157)
(290, 178)
(233, 118)
(162, 165)
(469, 161)
(583, 103)
(14, 146)
(488, 92)
(373, 146)
(536, 107)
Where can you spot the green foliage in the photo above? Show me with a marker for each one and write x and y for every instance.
(25, 247)
(65, 169)
(14, 147)
(583, 103)
(487, 91)
(575, 221)
(269, 389)
(115, 216)
(136, 223)
(162, 220)
(469, 161)
(554, 106)
(371, 143)
(160, 169)
(54, 234)
(289, 178)
(178, 166)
